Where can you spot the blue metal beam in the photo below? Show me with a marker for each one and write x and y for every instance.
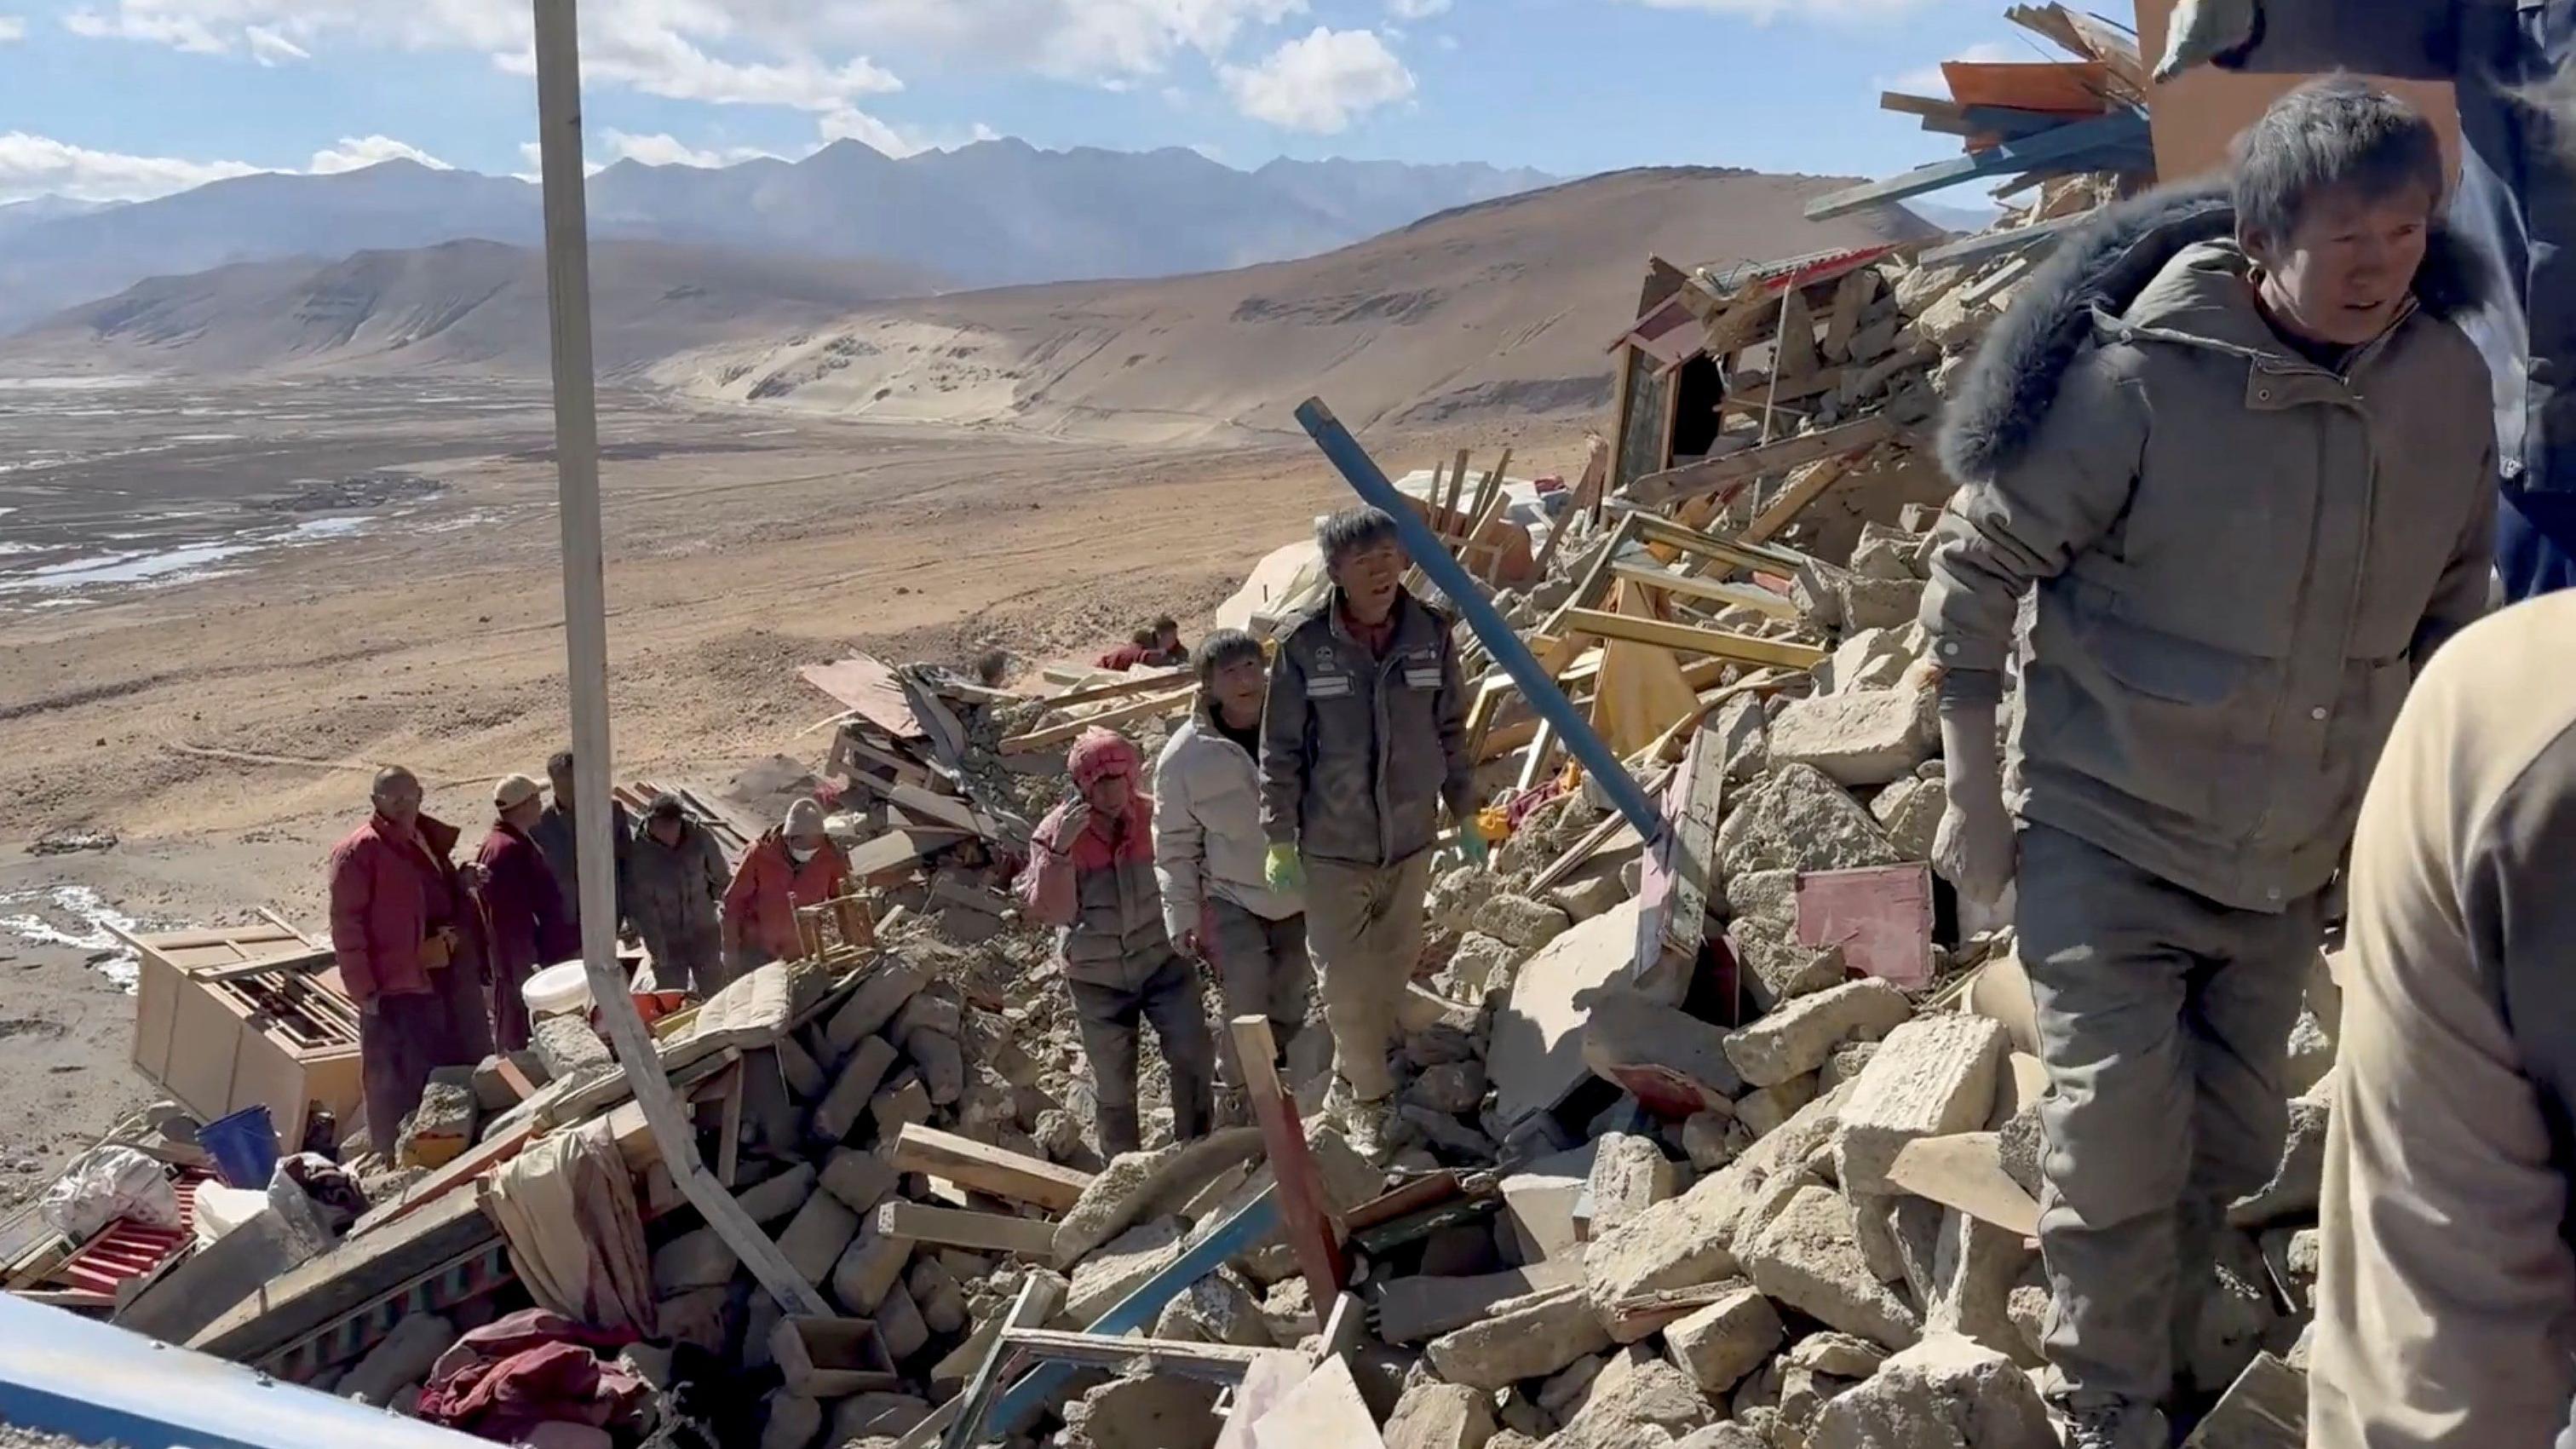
(1429, 555)
(2098, 143)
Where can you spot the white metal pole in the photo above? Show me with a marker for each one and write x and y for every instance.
(586, 646)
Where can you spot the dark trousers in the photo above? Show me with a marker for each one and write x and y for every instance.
(1261, 969)
(2164, 1022)
(2535, 543)
(1108, 1016)
(402, 1039)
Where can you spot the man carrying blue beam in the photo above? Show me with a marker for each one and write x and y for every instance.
(1363, 739)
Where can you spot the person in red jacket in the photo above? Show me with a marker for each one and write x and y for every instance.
(523, 907)
(792, 866)
(410, 952)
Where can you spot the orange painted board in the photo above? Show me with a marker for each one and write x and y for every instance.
(2064, 87)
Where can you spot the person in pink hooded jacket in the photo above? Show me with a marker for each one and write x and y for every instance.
(1091, 875)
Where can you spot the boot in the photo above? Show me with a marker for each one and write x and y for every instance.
(1119, 1131)
(2117, 1426)
(1365, 1122)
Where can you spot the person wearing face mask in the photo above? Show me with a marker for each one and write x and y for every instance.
(793, 866)
(676, 884)
(1091, 876)
(2239, 447)
(522, 903)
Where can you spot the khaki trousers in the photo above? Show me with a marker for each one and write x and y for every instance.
(1364, 926)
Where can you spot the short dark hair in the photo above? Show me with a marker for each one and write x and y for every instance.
(559, 763)
(1166, 625)
(665, 806)
(1224, 647)
(2328, 134)
(1143, 638)
(1353, 529)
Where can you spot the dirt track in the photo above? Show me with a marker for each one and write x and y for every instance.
(741, 545)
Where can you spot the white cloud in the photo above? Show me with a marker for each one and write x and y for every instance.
(900, 142)
(1320, 83)
(41, 165)
(356, 152)
(1763, 12)
(1928, 80)
(1416, 9)
(666, 150)
(12, 28)
(270, 48)
(1092, 40)
(150, 24)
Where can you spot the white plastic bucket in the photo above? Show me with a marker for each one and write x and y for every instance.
(558, 989)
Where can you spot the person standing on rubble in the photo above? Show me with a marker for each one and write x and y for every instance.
(2513, 69)
(1211, 857)
(2238, 445)
(794, 866)
(522, 907)
(1364, 737)
(676, 882)
(2446, 1297)
(559, 836)
(1091, 875)
(409, 952)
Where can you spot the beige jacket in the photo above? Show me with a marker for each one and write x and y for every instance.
(1208, 840)
(2446, 1305)
(2240, 555)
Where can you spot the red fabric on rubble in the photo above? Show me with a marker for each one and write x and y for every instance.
(531, 1368)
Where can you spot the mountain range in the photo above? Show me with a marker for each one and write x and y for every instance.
(993, 213)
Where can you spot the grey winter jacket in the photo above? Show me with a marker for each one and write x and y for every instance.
(675, 893)
(1357, 752)
(1207, 829)
(2240, 556)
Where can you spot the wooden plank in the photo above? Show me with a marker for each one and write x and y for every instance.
(1311, 1233)
(1032, 1238)
(2070, 87)
(1587, 590)
(1596, 469)
(1715, 591)
(1852, 296)
(1690, 638)
(871, 689)
(1805, 486)
(1657, 490)
(1681, 868)
(1065, 734)
(2067, 143)
(890, 851)
(1222, 1363)
(987, 1169)
(1132, 684)
(963, 1417)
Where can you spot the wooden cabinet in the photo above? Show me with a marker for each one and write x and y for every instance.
(228, 1018)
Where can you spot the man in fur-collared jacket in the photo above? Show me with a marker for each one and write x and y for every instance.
(2238, 446)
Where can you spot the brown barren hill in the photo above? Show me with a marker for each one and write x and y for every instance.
(1507, 306)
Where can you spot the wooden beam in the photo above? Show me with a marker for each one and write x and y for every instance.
(985, 1169)
(1657, 490)
(2068, 143)
(1587, 590)
(1032, 1238)
(1310, 1229)
(1457, 487)
(1065, 734)
(1223, 1363)
(1716, 591)
(1691, 639)
(1132, 684)
(1805, 486)
(1681, 868)
(1596, 470)
(1752, 557)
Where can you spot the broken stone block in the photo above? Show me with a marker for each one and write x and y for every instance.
(942, 1063)
(838, 1113)
(1671, 1059)
(2028, 1305)
(1769, 897)
(1975, 1268)
(1776, 968)
(1588, 896)
(1718, 1345)
(1728, 1435)
(2019, 1145)
(1809, 1259)
(899, 1324)
(869, 1267)
(817, 1237)
(1839, 1354)
(1870, 659)
(1457, 1088)
(1743, 729)
(1765, 1111)
(1440, 1416)
(696, 1259)
(1944, 1393)
(1708, 1141)
(1224, 1311)
(879, 996)
(697, 1316)
(1757, 1399)
(806, 1080)
(1455, 899)
(1629, 1175)
(860, 1178)
(773, 1199)
(1860, 740)
(567, 1045)
(1478, 964)
(1845, 1065)
(903, 1104)
(1136, 1185)
(2292, 1255)
(439, 1130)
(791, 1422)
(1058, 1134)
(1117, 1267)
(936, 1292)
(1910, 812)
(1645, 1404)
(1521, 922)
(1288, 1310)
(2300, 1180)
(1349, 1178)
(1564, 1392)
(1931, 1076)
(1869, 603)
(1525, 1338)
(1798, 1037)
(1796, 818)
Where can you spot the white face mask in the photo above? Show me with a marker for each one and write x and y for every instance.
(800, 856)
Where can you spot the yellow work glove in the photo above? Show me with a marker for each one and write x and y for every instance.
(1282, 870)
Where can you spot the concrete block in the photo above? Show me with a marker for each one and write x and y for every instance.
(1112, 1271)
(1870, 659)
(1809, 1259)
(806, 1080)
(567, 1046)
(874, 1003)
(1520, 922)
(1527, 1338)
(1744, 733)
(1708, 1141)
(1159, 1409)
(1683, 1243)
(860, 1177)
(818, 1235)
(869, 1267)
(1718, 1345)
(1869, 603)
(1845, 1065)
(899, 1324)
(899, 1105)
(1943, 1393)
(1798, 1037)
(1457, 1088)
(870, 1058)
(1975, 1267)
(1767, 1110)
(1440, 1416)
(1288, 1311)
(1797, 818)
(1910, 812)
(1862, 739)
(1671, 1058)
(1222, 1310)
(941, 1061)
(1838, 1354)
(695, 1259)
(938, 1294)
(1777, 969)
(440, 1129)
(1727, 1435)
(1565, 1390)
(1455, 899)
(790, 1421)
(1629, 1406)
(1138, 1185)
(1587, 896)
(1629, 1175)
(1932, 1076)
(1767, 897)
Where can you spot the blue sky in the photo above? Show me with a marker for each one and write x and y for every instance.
(121, 98)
